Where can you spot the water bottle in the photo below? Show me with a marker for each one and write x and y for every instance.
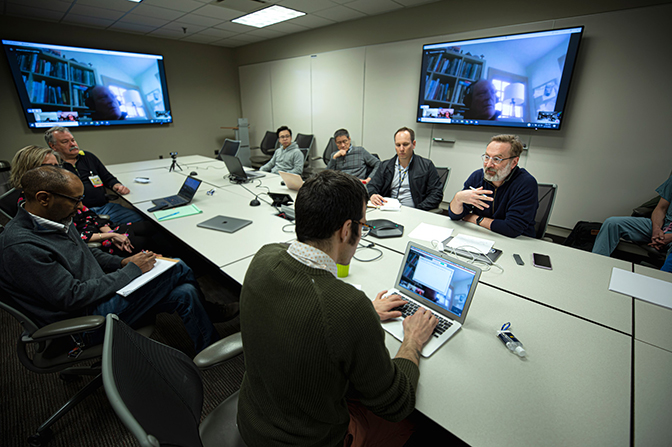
(511, 342)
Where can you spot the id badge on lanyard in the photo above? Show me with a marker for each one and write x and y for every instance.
(95, 180)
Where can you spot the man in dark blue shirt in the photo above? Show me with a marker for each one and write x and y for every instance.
(501, 197)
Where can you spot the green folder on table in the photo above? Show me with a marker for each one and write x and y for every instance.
(176, 213)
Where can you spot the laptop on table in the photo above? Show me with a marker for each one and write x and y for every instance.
(438, 282)
(183, 197)
(236, 170)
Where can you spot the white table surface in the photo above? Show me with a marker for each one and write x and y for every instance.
(653, 396)
(653, 324)
(139, 166)
(578, 283)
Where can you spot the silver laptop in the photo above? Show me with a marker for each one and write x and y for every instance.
(438, 282)
(224, 223)
(236, 170)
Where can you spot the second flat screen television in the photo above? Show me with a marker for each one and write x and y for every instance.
(517, 80)
(75, 86)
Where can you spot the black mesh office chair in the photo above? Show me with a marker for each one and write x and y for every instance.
(305, 143)
(230, 147)
(5, 168)
(547, 192)
(47, 350)
(326, 156)
(8, 203)
(157, 391)
(444, 174)
(267, 146)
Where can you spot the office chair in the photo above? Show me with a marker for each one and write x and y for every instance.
(230, 147)
(5, 168)
(50, 347)
(157, 391)
(444, 173)
(546, 193)
(305, 142)
(8, 203)
(326, 157)
(267, 146)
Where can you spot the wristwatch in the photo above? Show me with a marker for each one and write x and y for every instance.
(479, 220)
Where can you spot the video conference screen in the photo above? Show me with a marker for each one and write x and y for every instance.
(517, 80)
(73, 86)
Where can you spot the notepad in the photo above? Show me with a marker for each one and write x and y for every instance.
(642, 287)
(162, 264)
(427, 232)
(389, 205)
(176, 213)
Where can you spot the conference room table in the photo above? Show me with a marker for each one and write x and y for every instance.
(592, 372)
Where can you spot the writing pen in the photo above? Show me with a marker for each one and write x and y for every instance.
(474, 189)
(169, 215)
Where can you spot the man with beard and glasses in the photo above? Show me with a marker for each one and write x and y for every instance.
(501, 197)
(317, 371)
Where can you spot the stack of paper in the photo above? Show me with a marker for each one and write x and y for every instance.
(470, 243)
(175, 213)
(427, 232)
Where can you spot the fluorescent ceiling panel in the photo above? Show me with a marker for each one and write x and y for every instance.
(268, 16)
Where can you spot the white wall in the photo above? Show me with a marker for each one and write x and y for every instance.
(611, 154)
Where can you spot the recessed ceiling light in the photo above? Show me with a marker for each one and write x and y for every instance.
(135, 1)
(268, 16)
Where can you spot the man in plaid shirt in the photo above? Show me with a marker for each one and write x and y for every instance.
(353, 160)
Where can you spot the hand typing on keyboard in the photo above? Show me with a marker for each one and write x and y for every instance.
(386, 304)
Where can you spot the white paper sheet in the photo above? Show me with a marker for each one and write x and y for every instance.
(470, 243)
(641, 287)
(389, 205)
(161, 266)
(428, 232)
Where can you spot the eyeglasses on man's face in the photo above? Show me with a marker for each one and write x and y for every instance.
(496, 160)
(366, 228)
(76, 200)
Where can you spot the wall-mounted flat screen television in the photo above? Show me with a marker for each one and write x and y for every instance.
(73, 86)
(516, 80)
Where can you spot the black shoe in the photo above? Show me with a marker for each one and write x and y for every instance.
(220, 313)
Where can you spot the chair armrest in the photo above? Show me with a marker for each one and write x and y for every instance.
(68, 327)
(642, 211)
(220, 351)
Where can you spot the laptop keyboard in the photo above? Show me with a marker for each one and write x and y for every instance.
(410, 308)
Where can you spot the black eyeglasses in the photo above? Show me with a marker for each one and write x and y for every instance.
(77, 200)
(366, 228)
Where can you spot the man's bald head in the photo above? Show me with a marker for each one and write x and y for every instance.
(46, 178)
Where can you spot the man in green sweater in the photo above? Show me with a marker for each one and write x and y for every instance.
(317, 369)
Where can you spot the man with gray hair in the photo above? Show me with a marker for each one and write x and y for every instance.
(93, 174)
(353, 160)
(513, 213)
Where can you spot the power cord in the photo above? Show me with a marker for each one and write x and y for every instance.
(369, 246)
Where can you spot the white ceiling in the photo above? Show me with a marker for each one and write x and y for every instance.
(200, 21)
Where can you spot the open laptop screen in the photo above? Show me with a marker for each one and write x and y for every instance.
(437, 280)
(189, 188)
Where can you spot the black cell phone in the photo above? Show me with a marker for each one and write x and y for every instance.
(541, 261)
(518, 259)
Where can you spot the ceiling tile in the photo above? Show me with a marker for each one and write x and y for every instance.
(307, 6)
(234, 27)
(205, 22)
(13, 9)
(312, 21)
(132, 27)
(92, 11)
(55, 5)
(177, 5)
(230, 43)
(287, 27)
(156, 12)
(116, 5)
(87, 21)
(201, 38)
(143, 20)
(249, 38)
(372, 7)
(244, 6)
(414, 2)
(219, 33)
(340, 14)
(267, 33)
(178, 25)
(167, 33)
(342, 2)
(218, 12)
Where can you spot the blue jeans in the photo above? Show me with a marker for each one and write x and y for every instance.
(667, 267)
(635, 229)
(176, 290)
(118, 214)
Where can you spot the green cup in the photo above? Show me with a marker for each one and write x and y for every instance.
(343, 270)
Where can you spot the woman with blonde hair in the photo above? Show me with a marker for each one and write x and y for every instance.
(115, 239)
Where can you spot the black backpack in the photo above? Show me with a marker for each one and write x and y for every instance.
(583, 235)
